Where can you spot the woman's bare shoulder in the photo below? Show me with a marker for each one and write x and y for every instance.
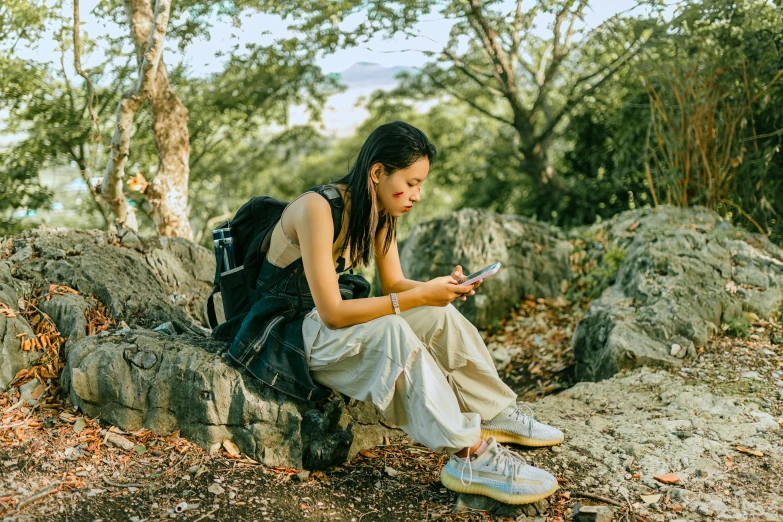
(311, 203)
(312, 210)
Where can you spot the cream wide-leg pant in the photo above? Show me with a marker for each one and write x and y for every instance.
(427, 370)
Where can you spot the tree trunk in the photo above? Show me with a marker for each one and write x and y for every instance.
(167, 193)
(546, 181)
(131, 102)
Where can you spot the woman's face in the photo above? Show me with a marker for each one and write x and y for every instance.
(398, 192)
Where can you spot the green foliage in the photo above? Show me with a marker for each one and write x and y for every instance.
(234, 152)
(605, 273)
(737, 327)
(684, 112)
(588, 112)
(604, 164)
(598, 270)
(21, 21)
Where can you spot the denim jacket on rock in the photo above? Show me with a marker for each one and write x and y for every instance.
(268, 341)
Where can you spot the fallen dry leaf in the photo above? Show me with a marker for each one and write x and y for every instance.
(369, 454)
(231, 448)
(749, 451)
(38, 391)
(668, 478)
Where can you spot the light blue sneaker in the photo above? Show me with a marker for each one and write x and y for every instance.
(498, 473)
(516, 424)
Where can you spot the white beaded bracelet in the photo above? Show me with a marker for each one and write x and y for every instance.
(395, 304)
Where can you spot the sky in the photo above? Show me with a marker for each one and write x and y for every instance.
(340, 115)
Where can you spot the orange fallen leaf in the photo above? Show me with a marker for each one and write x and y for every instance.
(38, 391)
(750, 451)
(728, 463)
(369, 454)
(634, 226)
(668, 478)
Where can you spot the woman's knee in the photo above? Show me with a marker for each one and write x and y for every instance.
(453, 315)
(393, 325)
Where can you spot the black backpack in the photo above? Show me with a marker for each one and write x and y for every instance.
(251, 231)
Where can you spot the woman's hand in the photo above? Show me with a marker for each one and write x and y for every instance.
(457, 275)
(442, 291)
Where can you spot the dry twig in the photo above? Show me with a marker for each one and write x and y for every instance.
(51, 488)
(597, 497)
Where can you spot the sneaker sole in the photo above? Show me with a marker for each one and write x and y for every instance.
(504, 436)
(455, 484)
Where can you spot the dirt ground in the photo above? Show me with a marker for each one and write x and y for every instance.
(56, 465)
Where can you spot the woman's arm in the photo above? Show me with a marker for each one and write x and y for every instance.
(390, 268)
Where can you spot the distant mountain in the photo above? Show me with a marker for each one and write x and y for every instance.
(367, 74)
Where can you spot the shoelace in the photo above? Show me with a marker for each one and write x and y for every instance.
(470, 468)
(516, 414)
(507, 458)
(504, 459)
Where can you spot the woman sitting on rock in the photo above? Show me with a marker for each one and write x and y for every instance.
(410, 352)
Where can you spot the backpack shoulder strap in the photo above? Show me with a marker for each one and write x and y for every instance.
(335, 200)
(332, 195)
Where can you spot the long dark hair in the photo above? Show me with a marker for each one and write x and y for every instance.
(396, 145)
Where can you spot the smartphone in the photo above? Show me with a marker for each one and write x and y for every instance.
(481, 274)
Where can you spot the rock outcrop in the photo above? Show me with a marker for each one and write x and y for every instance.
(685, 272)
(153, 281)
(172, 377)
(622, 432)
(534, 258)
(139, 378)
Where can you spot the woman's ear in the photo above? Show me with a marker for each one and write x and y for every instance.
(375, 173)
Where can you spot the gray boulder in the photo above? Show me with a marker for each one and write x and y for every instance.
(685, 272)
(12, 358)
(147, 283)
(138, 378)
(534, 258)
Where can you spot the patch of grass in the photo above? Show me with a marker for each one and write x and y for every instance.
(737, 327)
(605, 274)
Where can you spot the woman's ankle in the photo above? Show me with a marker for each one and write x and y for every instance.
(463, 453)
